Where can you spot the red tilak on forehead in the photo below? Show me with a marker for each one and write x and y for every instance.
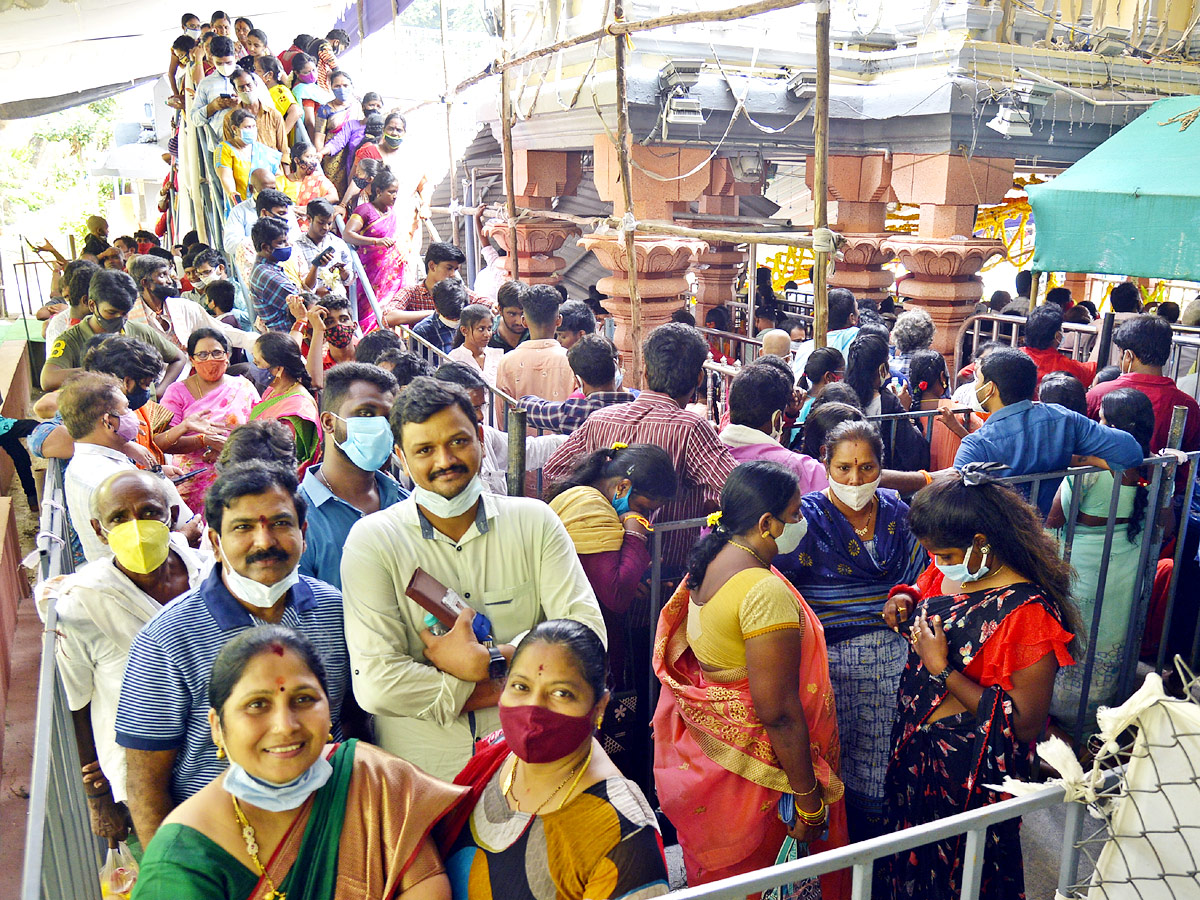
(540, 669)
(277, 649)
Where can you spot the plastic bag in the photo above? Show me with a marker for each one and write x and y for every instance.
(118, 874)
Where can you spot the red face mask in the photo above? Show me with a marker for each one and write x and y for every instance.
(340, 336)
(540, 735)
(145, 247)
(211, 369)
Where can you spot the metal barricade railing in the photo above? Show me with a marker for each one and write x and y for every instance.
(740, 348)
(61, 854)
(1185, 351)
(1078, 340)
(861, 857)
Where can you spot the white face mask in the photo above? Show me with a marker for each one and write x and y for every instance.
(618, 380)
(777, 426)
(793, 534)
(974, 401)
(277, 797)
(448, 507)
(225, 69)
(259, 595)
(854, 496)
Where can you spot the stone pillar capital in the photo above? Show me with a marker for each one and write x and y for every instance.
(537, 241)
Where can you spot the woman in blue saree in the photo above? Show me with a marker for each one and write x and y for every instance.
(857, 548)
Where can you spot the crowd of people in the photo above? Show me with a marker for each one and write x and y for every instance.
(272, 492)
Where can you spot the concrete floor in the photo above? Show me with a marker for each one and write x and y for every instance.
(19, 724)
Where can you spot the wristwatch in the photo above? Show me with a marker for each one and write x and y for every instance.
(497, 664)
(940, 677)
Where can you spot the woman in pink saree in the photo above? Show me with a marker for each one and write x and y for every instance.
(373, 231)
(726, 652)
(206, 406)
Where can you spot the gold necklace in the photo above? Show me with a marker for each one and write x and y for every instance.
(862, 532)
(751, 551)
(251, 840)
(578, 773)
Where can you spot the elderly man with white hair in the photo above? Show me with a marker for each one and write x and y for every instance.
(777, 342)
(913, 331)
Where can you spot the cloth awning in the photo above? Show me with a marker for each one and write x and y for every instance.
(1132, 205)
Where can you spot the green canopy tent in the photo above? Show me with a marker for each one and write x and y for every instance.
(1132, 205)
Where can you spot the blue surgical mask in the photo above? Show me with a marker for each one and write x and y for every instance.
(619, 380)
(138, 398)
(621, 504)
(368, 441)
(249, 135)
(281, 254)
(342, 94)
(962, 572)
(277, 797)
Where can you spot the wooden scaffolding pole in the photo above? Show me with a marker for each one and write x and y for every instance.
(620, 28)
(635, 297)
(821, 176)
(506, 120)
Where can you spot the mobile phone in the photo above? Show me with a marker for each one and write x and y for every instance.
(187, 475)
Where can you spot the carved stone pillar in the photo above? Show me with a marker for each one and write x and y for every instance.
(717, 268)
(661, 264)
(538, 177)
(537, 242)
(945, 282)
(942, 256)
(861, 188)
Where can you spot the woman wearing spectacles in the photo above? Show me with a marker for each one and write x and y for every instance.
(207, 405)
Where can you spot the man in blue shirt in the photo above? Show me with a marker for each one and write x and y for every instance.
(441, 325)
(256, 529)
(348, 484)
(1033, 437)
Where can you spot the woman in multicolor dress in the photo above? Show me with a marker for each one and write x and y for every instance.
(375, 231)
(857, 548)
(549, 813)
(975, 693)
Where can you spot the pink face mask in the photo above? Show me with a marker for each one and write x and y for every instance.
(308, 78)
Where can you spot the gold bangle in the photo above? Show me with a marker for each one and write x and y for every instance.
(645, 522)
(816, 787)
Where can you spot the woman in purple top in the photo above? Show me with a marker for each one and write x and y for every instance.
(606, 504)
(757, 400)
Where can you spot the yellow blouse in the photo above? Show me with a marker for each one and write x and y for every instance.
(751, 603)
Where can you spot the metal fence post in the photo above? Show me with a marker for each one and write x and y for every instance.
(516, 451)
(1104, 348)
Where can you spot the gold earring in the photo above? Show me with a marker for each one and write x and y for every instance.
(986, 548)
(599, 721)
(220, 752)
(766, 534)
(329, 740)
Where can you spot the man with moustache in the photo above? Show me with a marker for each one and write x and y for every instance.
(508, 557)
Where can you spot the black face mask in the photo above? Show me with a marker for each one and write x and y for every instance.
(361, 182)
(162, 291)
(138, 398)
(109, 326)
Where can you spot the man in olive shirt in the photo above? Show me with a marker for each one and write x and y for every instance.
(111, 296)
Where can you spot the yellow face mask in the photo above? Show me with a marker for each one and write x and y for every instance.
(140, 545)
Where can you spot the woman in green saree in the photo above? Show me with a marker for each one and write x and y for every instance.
(288, 397)
(293, 815)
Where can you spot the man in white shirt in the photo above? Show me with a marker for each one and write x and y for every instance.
(101, 608)
(159, 307)
(243, 215)
(508, 557)
(97, 416)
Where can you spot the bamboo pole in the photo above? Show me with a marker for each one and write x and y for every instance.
(635, 297)
(506, 117)
(449, 131)
(743, 11)
(821, 175)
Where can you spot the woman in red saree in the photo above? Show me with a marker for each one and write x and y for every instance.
(738, 723)
(373, 231)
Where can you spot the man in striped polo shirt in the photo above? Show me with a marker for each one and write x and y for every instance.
(256, 527)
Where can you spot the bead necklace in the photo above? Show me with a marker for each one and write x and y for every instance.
(578, 773)
(251, 840)
(751, 551)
